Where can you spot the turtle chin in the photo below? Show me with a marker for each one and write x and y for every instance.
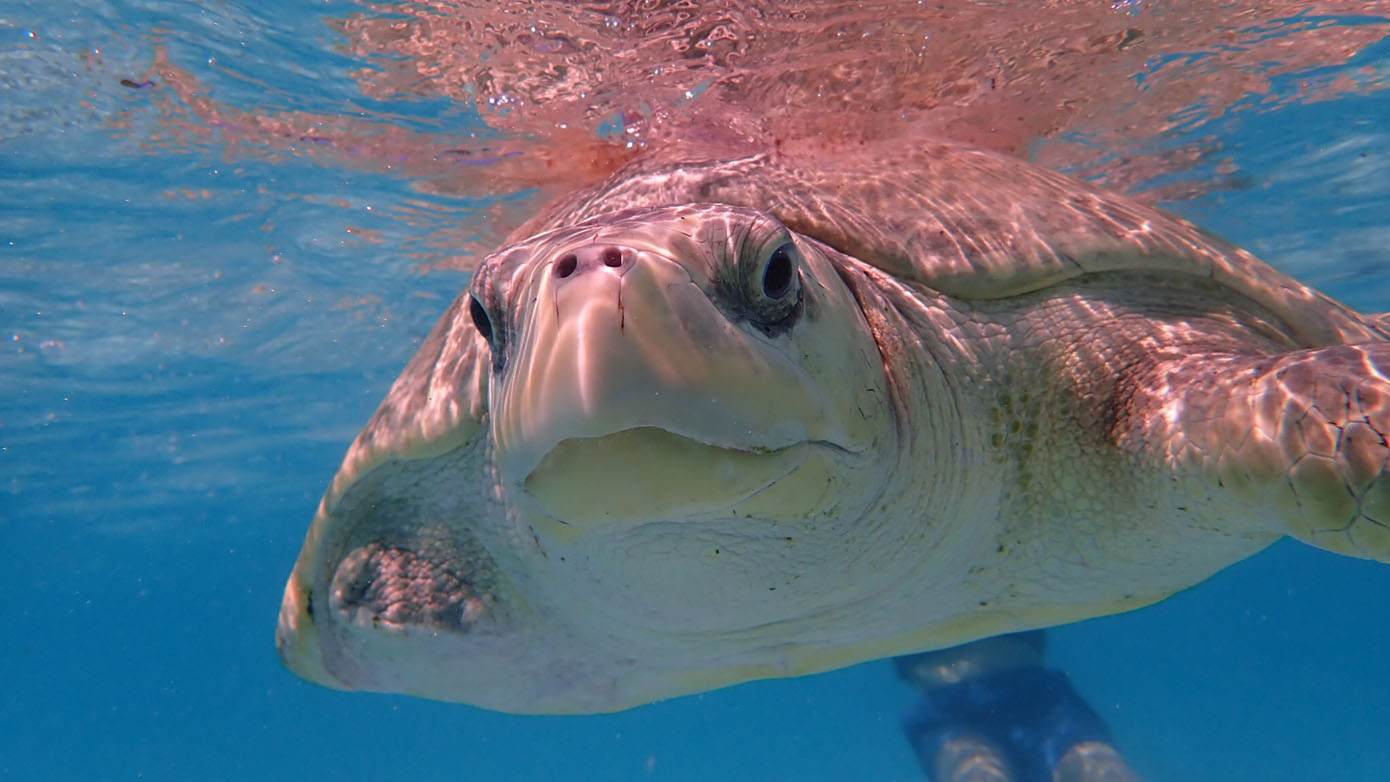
(648, 474)
(396, 589)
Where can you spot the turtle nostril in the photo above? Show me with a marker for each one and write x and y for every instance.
(566, 265)
(613, 257)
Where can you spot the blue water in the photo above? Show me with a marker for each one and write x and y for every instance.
(190, 339)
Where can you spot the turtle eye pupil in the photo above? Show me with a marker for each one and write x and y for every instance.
(777, 275)
(480, 319)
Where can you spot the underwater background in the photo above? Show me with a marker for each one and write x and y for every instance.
(201, 304)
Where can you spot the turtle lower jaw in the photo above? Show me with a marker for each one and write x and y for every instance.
(648, 474)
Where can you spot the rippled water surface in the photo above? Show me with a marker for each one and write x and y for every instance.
(225, 226)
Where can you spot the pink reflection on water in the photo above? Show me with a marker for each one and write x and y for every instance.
(573, 90)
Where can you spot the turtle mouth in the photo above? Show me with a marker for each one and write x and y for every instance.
(649, 474)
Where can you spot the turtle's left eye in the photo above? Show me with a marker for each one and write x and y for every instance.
(773, 285)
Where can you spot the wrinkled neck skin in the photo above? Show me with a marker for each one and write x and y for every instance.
(943, 490)
(1069, 514)
(1059, 505)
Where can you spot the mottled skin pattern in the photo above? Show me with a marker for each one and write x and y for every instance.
(1002, 400)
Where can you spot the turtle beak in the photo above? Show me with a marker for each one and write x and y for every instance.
(637, 343)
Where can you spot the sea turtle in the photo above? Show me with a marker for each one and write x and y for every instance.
(728, 416)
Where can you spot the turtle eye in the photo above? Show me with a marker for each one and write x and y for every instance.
(778, 273)
(481, 320)
(774, 285)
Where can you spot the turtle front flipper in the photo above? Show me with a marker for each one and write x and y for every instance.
(1300, 437)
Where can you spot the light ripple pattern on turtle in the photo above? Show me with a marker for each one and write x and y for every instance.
(730, 417)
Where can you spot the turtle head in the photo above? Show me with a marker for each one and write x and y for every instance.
(670, 487)
(672, 365)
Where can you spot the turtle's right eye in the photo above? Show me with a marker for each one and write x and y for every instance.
(778, 273)
(481, 320)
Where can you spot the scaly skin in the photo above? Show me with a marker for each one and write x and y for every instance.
(1298, 435)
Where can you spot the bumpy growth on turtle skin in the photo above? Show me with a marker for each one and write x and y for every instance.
(723, 418)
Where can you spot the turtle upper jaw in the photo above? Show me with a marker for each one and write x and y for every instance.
(629, 383)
